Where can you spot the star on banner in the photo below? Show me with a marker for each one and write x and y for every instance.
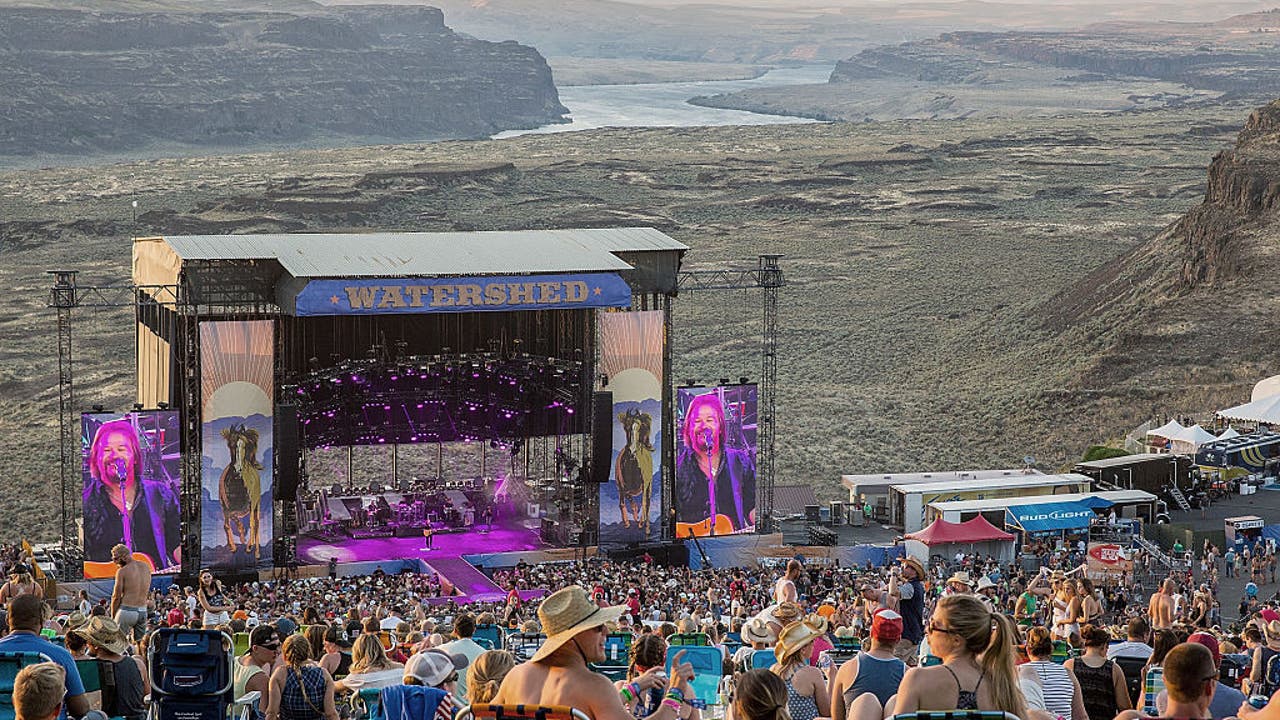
(597, 291)
(333, 299)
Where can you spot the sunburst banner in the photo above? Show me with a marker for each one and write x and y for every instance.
(631, 356)
(236, 468)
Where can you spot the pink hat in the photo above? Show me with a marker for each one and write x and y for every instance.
(1210, 642)
(1268, 614)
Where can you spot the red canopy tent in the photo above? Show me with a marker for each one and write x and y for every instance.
(941, 532)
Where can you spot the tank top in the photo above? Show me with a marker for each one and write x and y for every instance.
(800, 706)
(243, 674)
(302, 697)
(1098, 689)
(966, 699)
(876, 676)
(1058, 688)
(1029, 608)
(122, 690)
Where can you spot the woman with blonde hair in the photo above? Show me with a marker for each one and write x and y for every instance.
(299, 689)
(807, 695)
(486, 674)
(977, 670)
(370, 667)
(759, 695)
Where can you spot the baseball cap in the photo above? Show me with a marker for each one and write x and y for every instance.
(338, 636)
(1268, 614)
(886, 626)
(1210, 642)
(431, 667)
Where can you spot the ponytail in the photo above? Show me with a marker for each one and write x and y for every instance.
(998, 664)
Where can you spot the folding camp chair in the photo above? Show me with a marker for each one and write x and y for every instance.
(489, 636)
(190, 674)
(524, 645)
(688, 639)
(520, 712)
(708, 665)
(10, 664)
(367, 704)
(241, 643)
(387, 639)
(763, 659)
(90, 674)
(617, 654)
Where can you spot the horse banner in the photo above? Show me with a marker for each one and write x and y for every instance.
(236, 467)
(631, 357)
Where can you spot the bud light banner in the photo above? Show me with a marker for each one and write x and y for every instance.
(236, 468)
(631, 357)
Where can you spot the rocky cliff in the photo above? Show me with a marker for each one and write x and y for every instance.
(81, 82)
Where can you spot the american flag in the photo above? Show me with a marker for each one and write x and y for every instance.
(444, 711)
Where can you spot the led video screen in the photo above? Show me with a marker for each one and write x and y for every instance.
(715, 491)
(132, 478)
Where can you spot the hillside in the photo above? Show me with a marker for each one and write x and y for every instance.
(79, 83)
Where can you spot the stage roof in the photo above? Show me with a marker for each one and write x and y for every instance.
(418, 254)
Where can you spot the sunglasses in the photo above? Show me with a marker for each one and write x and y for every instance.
(934, 627)
(453, 677)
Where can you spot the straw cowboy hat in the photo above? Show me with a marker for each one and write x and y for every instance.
(799, 634)
(104, 633)
(787, 612)
(984, 582)
(76, 620)
(757, 631)
(914, 564)
(567, 612)
(844, 633)
(961, 577)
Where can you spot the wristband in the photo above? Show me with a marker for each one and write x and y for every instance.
(675, 694)
(669, 703)
(628, 693)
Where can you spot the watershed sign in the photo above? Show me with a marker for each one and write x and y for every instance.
(486, 294)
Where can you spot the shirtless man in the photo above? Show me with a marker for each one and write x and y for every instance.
(129, 598)
(1161, 607)
(558, 673)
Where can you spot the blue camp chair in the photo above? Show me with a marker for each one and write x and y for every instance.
(763, 659)
(524, 645)
(190, 674)
(708, 665)
(10, 664)
(489, 636)
(90, 674)
(688, 639)
(367, 703)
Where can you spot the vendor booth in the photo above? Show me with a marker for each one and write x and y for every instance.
(974, 536)
(1243, 530)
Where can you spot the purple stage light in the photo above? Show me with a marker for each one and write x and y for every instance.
(569, 410)
(395, 378)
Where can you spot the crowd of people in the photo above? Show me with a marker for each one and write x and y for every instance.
(849, 643)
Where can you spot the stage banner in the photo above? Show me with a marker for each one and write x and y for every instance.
(381, 296)
(132, 484)
(715, 491)
(236, 467)
(631, 357)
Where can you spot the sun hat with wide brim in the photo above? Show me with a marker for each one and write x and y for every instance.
(567, 612)
(914, 564)
(103, 632)
(984, 582)
(961, 577)
(799, 634)
(757, 631)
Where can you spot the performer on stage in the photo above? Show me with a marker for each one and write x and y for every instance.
(124, 506)
(428, 538)
(715, 484)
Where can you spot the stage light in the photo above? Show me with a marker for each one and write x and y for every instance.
(690, 382)
(744, 380)
(137, 407)
(98, 407)
(724, 381)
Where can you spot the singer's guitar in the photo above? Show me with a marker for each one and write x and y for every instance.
(94, 570)
(721, 526)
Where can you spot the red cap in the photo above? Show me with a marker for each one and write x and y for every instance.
(886, 626)
(1210, 642)
(1268, 614)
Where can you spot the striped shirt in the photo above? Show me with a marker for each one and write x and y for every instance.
(1058, 688)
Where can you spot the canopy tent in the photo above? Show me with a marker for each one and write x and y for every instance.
(976, 536)
(1228, 434)
(970, 531)
(1190, 440)
(1171, 429)
(1262, 410)
(1055, 517)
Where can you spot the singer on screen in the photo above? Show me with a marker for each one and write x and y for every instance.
(715, 484)
(122, 505)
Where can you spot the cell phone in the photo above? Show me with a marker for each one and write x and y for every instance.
(1258, 701)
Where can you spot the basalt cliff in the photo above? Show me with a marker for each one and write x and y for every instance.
(114, 82)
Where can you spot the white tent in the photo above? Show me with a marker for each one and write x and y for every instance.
(1169, 430)
(1263, 410)
(1266, 388)
(1190, 440)
(1228, 434)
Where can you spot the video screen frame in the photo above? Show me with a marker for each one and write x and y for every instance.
(716, 427)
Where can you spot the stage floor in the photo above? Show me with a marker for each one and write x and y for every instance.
(473, 541)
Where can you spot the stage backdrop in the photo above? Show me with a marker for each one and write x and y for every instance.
(631, 357)
(716, 448)
(236, 467)
(135, 450)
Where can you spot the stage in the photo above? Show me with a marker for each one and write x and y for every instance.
(471, 541)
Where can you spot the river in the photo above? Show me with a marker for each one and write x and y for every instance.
(666, 104)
